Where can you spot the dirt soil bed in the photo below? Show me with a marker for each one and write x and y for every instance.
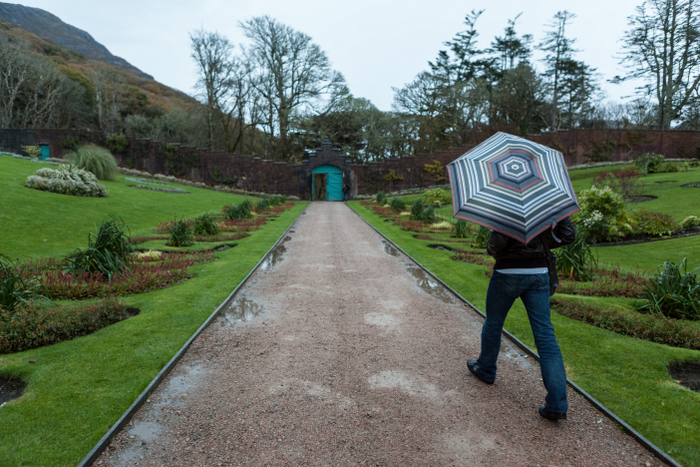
(343, 352)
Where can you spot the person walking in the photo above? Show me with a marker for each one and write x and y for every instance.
(521, 272)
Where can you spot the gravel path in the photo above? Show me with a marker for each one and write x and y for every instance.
(341, 352)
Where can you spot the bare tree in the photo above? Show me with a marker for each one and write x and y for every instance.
(662, 46)
(292, 74)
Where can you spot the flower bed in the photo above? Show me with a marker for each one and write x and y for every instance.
(674, 332)
(144, 274)
(32, 325)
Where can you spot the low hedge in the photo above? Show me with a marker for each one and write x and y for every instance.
(674, 332)
(33, 324)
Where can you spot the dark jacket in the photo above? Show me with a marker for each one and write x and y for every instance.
(511, 253)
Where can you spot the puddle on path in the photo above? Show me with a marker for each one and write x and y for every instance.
(390, 249)
(241, 310)
(275, 256)
(426, 282)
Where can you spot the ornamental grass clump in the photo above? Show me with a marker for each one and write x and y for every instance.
(673, 292)
(243, 210)
(422, 214)
(180, 233)
(398, 204)
(575, 261)
(205, 225)
(461, 229)
(96, 160)
(66, 180)
(16, 286)
(108, 250)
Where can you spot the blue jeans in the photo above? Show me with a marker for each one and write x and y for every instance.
(345, 196)
(533, 290)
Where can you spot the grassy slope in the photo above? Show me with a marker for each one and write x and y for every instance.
(78, 389)
(28, 217)
(627, 375)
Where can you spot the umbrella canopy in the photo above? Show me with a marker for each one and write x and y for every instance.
(513, 186)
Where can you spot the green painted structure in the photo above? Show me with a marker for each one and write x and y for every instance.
(327, 183)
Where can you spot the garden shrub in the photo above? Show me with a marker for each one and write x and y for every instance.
(575, 261)
(662, 330)
(654, 223)
(205, 225)
(239, 211)
(435, 196)
(96, 160)
(422, 214)
(673, 292)
(33, 325)
(66, 180)
(108, 250)
(668, 167)
(461, 230)
(15, 286)
(263, 204)
(625, 182)
(690, 223)
(32, 151)
(180, 233)
(398, 204)
(648, 162)
(381, 198)
(602, 216)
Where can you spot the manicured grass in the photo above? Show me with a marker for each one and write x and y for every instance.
(627, 375)
(36, 223)
(79, 388)
(648, 256)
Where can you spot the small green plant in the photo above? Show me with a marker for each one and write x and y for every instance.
(95, 159)
(180, 233)
(655, 224)
(673, 292)
(461, 229)
(690, 223)
(398, 204)
(108, 250)
(575, 261)
(117, 143)
(243, 210)
(32, 151)
(437, 170)
(436, 196)
(421, 213)
(15, 288)
(205, 225)
(625, 182)
(381, 198)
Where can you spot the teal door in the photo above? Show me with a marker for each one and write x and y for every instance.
(333, 180)
(45, 151)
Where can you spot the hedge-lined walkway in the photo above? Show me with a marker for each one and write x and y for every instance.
(349, 355)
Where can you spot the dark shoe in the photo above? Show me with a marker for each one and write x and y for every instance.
(552, 415)
(474, 368)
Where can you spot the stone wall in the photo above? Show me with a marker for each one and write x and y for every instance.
(256, 174)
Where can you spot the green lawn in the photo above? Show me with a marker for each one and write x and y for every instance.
(36, 223)
(79, 388)
(627, 375)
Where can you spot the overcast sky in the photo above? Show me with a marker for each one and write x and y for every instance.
(376, 44)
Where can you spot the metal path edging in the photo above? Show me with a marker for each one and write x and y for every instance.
(126, 417)
(607, 412)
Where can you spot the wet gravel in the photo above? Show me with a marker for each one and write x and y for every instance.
(344, 353)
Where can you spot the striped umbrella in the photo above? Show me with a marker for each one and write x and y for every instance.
(513, 186)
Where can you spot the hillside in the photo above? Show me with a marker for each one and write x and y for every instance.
(51, 28)
(148, 95)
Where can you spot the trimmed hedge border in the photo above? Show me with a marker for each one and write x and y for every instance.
(661, 330)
